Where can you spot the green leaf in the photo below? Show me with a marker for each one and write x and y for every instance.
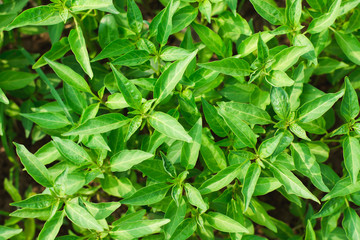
(291, 183)
(185, 229)
(171, 77)
(221, 179)
(80, 216)
(350, 45)
(13, 80)
(247, 112)
(317, 107)
(211, 39)
(114, 49)
(7, 232)
(37, 16)
(293, 12)
(176, 214)
(134, 16)
(126, 159)
(351, 223)
(33, 166)
(224, 223)
(148, 195)
(288, 57)
(342, 187)
(212, 154)
(244, 133)
(325, 20)
(36, 201)
(71, 151)
(195, 198)
(58, 50)
(3, 99)
(265, 185)
(52, 226)
(309, 233)
(101, 210)
(136, 229)
(215, 121)
(330, 207)
(250, 44)
(349, 108)
(130, 92)
(173, 53)
(273, 145)
(280, 102)
(250, 181)
(263, 50)
(229, 66)
(190, 151)
(306, 164)
(278, 78)
(69, 76)
(100, 124)
(183, 17)
(49, 120)
(133, 58)
(351, 147)
(169, 126)
(78, 47)
(103, 5)
(269, 11)
(165, 24)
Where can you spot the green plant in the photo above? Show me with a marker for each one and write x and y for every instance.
(182, 127)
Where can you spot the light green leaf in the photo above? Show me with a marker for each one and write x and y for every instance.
(351, 223)
(215, 121)
(350, 45)
(212, 154)
(268, 10)
(351, 147)
(190, 151)
(169, 126)
(71, 151)
(165, 24)
(183, 17)
(148, 195)
(325, 20)
(136, 229)
(221, 179)
(114, 49)
(103, 5)
(211, 39)
(278, 78)
(134, 16)
(33, 166)
(288, 57)
(246, 112)
(306, 164)
(342, 187)
(130, 92)
(36, 201)
(291, 183)
(171, 77)
(309, 232)
(250, 181)
(69, 76)
(126, 159)
(52, 226)
(250, 44)
(319, 106)
(280, 102)
(80, 216)
(101, 210)
(133, 58)
(7, 232)
(185, 229)
(229, 66)
(195, 198)
(224, 223)
(244, 133)
(78, 47)
(173, 53)
(349, 108)
(101, 124)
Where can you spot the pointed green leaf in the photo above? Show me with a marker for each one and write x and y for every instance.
(148, 195)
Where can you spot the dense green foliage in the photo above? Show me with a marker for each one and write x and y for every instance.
(186, 122)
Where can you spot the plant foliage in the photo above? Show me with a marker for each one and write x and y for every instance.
(192, 121)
